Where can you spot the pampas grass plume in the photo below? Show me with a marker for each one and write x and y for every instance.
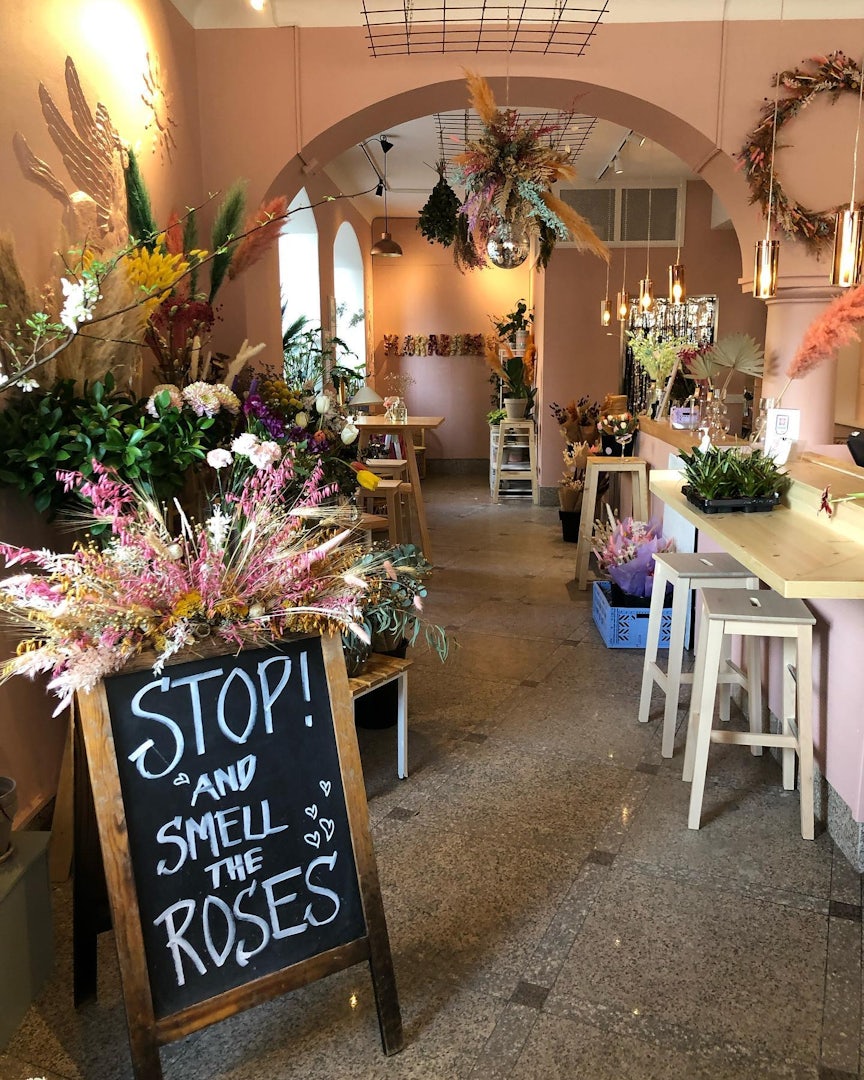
(835, 327)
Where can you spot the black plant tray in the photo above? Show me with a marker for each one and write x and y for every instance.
(729, 506)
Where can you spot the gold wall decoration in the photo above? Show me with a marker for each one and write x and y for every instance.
(93, 156)
(158, 100)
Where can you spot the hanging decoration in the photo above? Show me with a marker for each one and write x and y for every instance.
(838, 325)
(834, 74)
(438, 218)
(508, 174)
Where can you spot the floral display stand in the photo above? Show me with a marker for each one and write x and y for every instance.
(625, 627)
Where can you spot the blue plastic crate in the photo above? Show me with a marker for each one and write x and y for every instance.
(625, 627)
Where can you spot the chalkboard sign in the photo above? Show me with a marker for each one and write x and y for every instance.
(246, 841)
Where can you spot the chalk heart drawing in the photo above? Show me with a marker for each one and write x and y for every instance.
(325, 787)
(313, 839)
(180, 778)
(328, 826)
(312, 811)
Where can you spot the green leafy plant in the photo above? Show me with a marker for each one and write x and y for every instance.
(438, 220)
(495, 416)
(43, 431)
(736, 473)
(520, 319)
(737, 352)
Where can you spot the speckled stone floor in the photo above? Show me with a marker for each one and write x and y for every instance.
(550, 914)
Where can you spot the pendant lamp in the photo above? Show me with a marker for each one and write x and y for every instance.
(677, 285)
(849, 230)
(768, 251)
(386, 245)
(646, 285)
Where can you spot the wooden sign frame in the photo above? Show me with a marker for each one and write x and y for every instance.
(147, 1031)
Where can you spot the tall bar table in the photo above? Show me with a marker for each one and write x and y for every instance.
(380, 425)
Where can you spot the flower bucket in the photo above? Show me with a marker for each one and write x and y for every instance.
(515, 408)
(8, 807)
(570, 520)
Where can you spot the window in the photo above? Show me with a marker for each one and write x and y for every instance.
(621, 215)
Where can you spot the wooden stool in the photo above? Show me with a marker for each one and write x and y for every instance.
(388, 492)
(595, 465)
(686, 572)
(369, 523)
(388, 468)
(379, 671)
(763, 614)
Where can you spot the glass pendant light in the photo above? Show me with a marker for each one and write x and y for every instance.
(677, 285)
(768, 251)
(623, 298)
(646, 285)
(605, 312)
(386, 245)
(849, 229)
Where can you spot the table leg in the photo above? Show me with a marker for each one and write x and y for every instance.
(414, 477)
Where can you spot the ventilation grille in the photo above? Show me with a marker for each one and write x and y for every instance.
(625, 215)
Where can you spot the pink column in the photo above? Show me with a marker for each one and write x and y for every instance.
(790, 313)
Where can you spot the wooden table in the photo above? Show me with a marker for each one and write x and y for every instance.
(792, 548)
(380, 425)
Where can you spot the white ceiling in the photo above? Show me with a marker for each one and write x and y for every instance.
(410, 164)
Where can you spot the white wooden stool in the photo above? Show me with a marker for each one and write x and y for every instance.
(524, 470)
(763, 614)
(379, 671)
(685, 572)
(637, 468)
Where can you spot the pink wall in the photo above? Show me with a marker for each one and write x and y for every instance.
(424, 293)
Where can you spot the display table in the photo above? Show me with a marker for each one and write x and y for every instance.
(795, 550)
(380, 425)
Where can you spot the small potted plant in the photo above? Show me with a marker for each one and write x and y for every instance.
(739, 478)
(515, 326)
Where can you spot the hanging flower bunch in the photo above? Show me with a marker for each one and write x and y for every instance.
(508, 174)
(253, 570)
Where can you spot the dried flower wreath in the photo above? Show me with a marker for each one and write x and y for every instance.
(833, 74)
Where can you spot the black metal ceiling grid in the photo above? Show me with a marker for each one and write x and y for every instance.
(455, 128)
(437, 26)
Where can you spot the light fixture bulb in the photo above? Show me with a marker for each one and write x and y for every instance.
(623, 306)
(677, 286)
(617, 167)
(646, 294)
(605, 312)
(848, 248)
(257, 5)
(765, 269)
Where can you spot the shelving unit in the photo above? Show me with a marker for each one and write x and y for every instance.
(513, 461)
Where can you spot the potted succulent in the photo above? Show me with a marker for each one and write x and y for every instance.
(738, 478)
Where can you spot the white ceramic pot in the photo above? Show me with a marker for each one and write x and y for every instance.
(515, 408)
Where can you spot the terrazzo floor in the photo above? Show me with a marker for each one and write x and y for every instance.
(550, 914)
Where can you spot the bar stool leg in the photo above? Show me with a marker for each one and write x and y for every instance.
(790, 659)
(805, 728)
(753, 650)
(639, 487)
(695, 695)
(680, 599)
(712, 655)
(655, 615)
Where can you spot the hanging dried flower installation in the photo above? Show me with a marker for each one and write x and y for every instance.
(508, 174)
(833, 74)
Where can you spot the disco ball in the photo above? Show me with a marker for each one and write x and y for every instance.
(507, 246)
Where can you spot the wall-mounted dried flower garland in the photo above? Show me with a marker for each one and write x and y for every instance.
(437, 344)
(834, 74)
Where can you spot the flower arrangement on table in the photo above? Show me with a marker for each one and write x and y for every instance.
(508, 174)
(625, 551)
(656, 356)
(617, 429)
(253, 570)
(735, 353)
